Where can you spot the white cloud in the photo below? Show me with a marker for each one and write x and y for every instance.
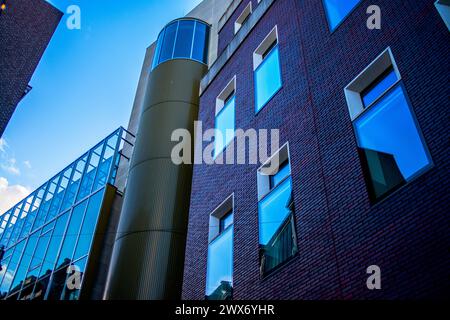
(27, 164)
(11, 195)
(10, 167)
(3, 144)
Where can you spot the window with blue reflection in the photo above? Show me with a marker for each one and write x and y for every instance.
(373, 92)
(200, 47)
(11, 269)
(71, 235)
(74, 294)
(57, 237)
(39, 253)
(182, 39)
(74, 184)
(390, 143)
(89, 225)
(24, 262)
(283, 172)
(337, 10)
(183, 44)
(219, 275)
(90, 173)
(267, 78)
(276, 227)
(225, 121)
(168, 42)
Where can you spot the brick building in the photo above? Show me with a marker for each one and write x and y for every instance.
(342, 224)
(26, 28)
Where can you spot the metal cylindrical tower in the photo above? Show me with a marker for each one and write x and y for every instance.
(148, 255)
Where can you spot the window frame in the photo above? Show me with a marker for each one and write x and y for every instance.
(354, 90)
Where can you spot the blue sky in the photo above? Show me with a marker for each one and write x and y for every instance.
(83, 88)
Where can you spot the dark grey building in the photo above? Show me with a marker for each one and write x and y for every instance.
(26, 28)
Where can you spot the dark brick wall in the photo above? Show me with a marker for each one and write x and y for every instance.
(26, 27)
(339, 232)
(226, 34)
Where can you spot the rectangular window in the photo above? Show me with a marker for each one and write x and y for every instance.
(277, 236)
(266, 66)
(225, 117)
(390, 144)
(338, 10)
(243, 17)
(219, 274)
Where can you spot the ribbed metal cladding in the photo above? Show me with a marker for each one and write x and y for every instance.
(148, 256)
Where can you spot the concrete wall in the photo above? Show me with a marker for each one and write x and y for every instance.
(339, 232)
(26, 28)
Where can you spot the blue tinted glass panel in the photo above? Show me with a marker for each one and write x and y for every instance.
(199, 51)
(89, 224)
(168, 42)
(39, 254)
(388, 128)
(65, 256)
(225, 120)
(219, 277)
(25, 262)
(74, 184)
(379, 88)
(283, 172)
(337, 10)
(273, 211)
(158, 49)
(12, 267)
(53, 247)
(267, 78)
(67, 294)
(183, 43)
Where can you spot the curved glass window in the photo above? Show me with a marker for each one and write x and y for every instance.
(182, 39)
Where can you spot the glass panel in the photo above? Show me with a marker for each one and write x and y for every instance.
(378, 88)
(392, 148)
(283, 172)
(55, 242)
(168, 43)
(267, 78)
(16, 225)
(41, 288)
(219, 276)
(74, 183)
(39, 254)
(89, 224)
(11, 268)
(73, 293)
(337, 10)
(89, 175)
(158, 49)
(3, 269)
(65, 256)
(58, 282)
(105, 163)
(225, 121)
(32, 212)
(24, 263)
(199, 50)
(45, 208)
(183, 44)
(226, 221)
(276, 227)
